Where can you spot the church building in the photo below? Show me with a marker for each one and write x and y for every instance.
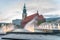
(26, 19)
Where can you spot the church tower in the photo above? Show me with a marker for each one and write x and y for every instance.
(24, 14)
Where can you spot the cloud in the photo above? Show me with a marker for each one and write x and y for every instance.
(52, 14)
(12, 9)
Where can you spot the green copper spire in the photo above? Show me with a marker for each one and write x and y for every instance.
(24, 15)
(24, 9)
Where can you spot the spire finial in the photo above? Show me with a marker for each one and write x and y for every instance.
(37, 11)
(24, 5)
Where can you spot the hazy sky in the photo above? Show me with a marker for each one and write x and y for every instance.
(12, 9)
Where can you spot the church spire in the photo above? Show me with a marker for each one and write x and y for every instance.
(24, 9)
(24, 15)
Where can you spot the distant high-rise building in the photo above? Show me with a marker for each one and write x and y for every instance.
(24, 15)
